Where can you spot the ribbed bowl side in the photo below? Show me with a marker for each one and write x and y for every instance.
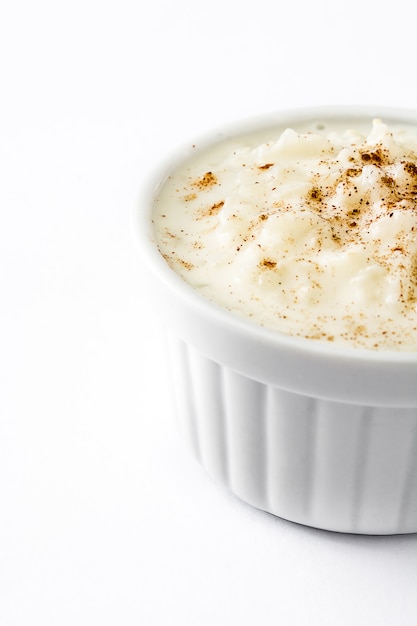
(325, 464)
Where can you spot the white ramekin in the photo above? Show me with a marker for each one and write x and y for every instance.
(316, 434)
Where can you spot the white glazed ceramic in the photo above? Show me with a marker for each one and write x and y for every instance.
(314, 433)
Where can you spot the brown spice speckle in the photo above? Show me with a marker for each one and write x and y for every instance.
(212, 210)
(315, 193)
(206, 181)
(267, 264)
(266, 166)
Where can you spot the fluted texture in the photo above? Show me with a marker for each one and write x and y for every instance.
(325, 464)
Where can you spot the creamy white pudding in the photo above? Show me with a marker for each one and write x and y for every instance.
(310, 231)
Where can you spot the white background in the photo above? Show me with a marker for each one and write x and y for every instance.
(105, 519)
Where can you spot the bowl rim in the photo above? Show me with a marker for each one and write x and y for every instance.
(320, 369)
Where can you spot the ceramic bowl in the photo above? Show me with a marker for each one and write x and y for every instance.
(318, 434)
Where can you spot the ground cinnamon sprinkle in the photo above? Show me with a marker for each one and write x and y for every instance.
(311, 234)
(266, 166)
(268, 263)
(212, 210)
(208, 180)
